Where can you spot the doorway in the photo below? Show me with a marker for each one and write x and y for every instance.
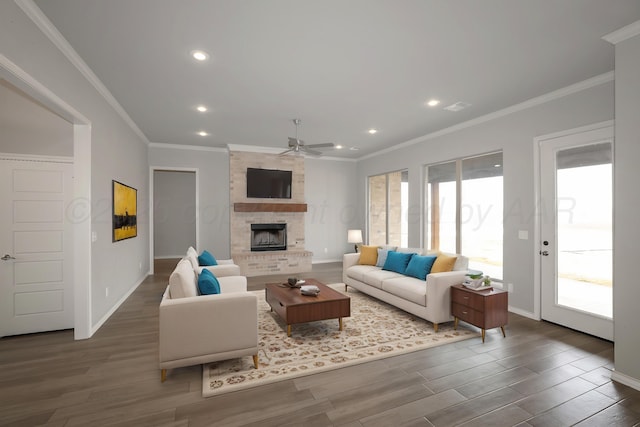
(174, 215)
(576, 230)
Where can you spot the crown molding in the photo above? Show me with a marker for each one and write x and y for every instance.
(186, 147)
(36, 158)
(36, 15)
(623, 33)
(551, 96)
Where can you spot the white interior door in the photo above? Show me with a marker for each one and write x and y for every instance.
(576, 245)
(36, 269)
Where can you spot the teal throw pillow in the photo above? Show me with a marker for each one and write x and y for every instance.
(420, 266)
(397, 261)
(382, 257)
(208, 283)
(206, 259)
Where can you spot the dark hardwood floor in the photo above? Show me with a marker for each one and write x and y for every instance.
(539, 375)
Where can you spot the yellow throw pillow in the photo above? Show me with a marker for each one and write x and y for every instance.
(443, 263)
(368, 255)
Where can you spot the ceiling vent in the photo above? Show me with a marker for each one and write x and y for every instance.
(457, 106)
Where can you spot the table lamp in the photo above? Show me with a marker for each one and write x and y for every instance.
(354, 236)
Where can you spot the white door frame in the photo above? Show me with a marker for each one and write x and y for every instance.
(79, 212)
(152, 169)
(537, 141)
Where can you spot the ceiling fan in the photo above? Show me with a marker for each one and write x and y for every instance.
(298, 146)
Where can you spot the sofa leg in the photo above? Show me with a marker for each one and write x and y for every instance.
(435, 327)
(255, 361)
(163, 375)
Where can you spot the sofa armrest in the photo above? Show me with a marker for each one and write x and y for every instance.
(439, 294)
(349, 260)
(207, 324)
(232, 284)
(222, 270)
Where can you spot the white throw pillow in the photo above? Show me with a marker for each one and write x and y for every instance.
(182, 282)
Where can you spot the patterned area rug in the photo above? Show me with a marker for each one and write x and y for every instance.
(375, 330)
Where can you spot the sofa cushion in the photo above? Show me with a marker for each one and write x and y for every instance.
(208, 283)
(192, 256)
(182, 282)
(420, 266)
(368, 255)
(357, 272)
(377, 276)
(397, 261)
(418, 251)
(408, 288)
(443, 263)
(382, 256)
(206, 259)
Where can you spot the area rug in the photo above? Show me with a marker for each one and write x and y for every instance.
(375, 330)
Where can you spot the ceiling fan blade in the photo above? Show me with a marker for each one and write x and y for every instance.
(285, 152)
(326, 145)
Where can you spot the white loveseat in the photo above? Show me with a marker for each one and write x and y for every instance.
(197, 329)
(428, 299)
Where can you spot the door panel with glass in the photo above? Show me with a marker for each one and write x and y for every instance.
(576, 244)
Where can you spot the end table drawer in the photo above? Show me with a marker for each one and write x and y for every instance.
(467, 314)
(470, 299)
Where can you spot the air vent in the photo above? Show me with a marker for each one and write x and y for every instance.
(457, 106)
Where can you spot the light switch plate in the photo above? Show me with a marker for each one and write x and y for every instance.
(523, 234)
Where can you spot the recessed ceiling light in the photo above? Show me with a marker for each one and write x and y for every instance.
(202, 108)
(203, 133)
(433, 102)
(373, 131)
(339, 147)
(497, 165)
(200, 55)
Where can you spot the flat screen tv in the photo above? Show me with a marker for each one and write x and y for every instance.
(268, 183)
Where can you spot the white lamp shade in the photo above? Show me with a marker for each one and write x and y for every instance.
(354, 236)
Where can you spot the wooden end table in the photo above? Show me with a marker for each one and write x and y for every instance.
(485, 309)
(293, 307)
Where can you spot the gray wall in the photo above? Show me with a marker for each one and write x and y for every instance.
(626, 290)
(213, 182)
(174, 213)
(116, 153)
(332, 209)
(514, 135)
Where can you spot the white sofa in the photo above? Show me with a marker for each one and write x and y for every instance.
(197, 329)
(428, 299)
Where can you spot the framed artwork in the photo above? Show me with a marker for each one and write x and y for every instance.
(125, 210)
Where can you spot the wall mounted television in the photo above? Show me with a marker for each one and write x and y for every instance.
(268, 183)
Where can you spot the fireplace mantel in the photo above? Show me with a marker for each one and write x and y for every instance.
(269, 207)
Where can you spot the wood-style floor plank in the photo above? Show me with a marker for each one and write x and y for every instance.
(540, 374)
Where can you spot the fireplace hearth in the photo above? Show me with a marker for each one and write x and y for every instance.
(269, 237)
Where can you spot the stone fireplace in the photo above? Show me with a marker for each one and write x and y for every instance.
(259, 251)
(268, 237)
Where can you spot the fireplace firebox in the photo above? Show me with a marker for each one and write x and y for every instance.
(269, 237)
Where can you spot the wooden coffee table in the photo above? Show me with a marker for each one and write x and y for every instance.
(294, 307)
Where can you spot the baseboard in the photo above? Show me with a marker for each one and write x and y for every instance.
(625, 379)
(523, 313)
(117, 305)
(326, 261)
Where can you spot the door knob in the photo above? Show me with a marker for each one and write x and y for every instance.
(544, 253)
(7, 257)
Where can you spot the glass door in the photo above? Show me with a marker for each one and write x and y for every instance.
(576, 254)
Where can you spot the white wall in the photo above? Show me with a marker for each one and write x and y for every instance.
(174, 213)
(626, 289)
(513, 134)
(213, 182)
(116, 153)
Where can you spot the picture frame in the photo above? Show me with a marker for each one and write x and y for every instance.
(125, 211)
